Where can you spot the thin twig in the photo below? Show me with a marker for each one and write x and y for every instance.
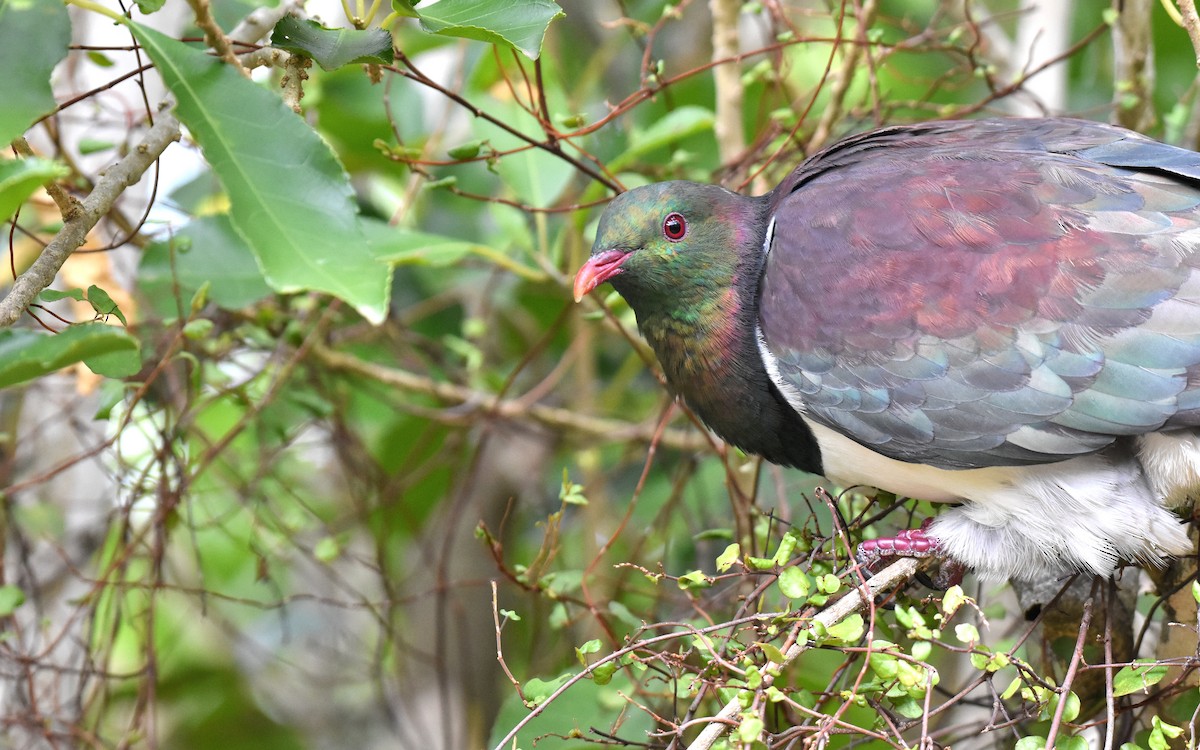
(1064, 692)
(116, 180)
(1191, 22)
(893, 576)
(499, 644)
(1110, 701)
(554, 417)
(213, 34)
(67, 206)
(832, 113)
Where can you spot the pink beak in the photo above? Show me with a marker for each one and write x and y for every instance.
(600, 268)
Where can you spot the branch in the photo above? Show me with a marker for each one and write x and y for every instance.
(259, 22)
(1042, 35)
(1133, 66)
(124, 174)
(67, 205)
(893, 576)
(1191, 22)
(213, 34)
(1065, 691)
(731, 137)
(487, 403)
(844, 77)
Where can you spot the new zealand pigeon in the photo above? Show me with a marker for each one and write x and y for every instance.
(999, 314)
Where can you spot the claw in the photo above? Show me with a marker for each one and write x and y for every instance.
(912, 543)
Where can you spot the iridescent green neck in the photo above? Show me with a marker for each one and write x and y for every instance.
(704, 333)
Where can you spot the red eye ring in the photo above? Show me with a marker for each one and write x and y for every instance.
(674, 227)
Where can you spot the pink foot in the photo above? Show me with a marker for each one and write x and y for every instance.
(911, 543)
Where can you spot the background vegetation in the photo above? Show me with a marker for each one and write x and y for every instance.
(347, 468)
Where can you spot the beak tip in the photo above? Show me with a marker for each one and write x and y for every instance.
(600, 268)
(583, 285)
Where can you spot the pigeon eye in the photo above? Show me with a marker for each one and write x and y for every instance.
(674, 227)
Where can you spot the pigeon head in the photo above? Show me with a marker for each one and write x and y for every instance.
(670, 241)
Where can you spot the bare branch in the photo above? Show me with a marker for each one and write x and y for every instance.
(67, 205)
(122, 175)
(840, 84)
(260, 22)
(1133, 65)
(213, 34)
(549, 416)
(727, 78)
(1191, 22)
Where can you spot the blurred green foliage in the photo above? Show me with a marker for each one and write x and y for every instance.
(308, 512)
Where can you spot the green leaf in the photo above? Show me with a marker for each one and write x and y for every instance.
(828, 584)
(537, 690)
(1170, 730)
(25, 354)
(952, 600)
(198, 329)
(397, 247)
(909, 617)
(571, 493)
(966, 633)
(289, 198)
(20, 178)
(405, 8)
(53, 295)
(772, 652)
(1071, 742)
(1012, 688)
(1070, 707)
(1138, 677)
(327, 549)
(208, 251)
(34, 35)
(921, 650)
(591, 647)
(884, 664)
(1160, 732)
(996, 662)
(848, 630)
(534, 176)
(332, 48)
(694, 580)
(787, 545)
(468, 150)
(909, 708)
(1030, 743)
(727, 558)
(150, 6)
(795, 584)
(750, 728)
(603, 673)
(100, 59)
(11, 597)
(519, 24)
(675, 125)
(759, 563)
(103, 304)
